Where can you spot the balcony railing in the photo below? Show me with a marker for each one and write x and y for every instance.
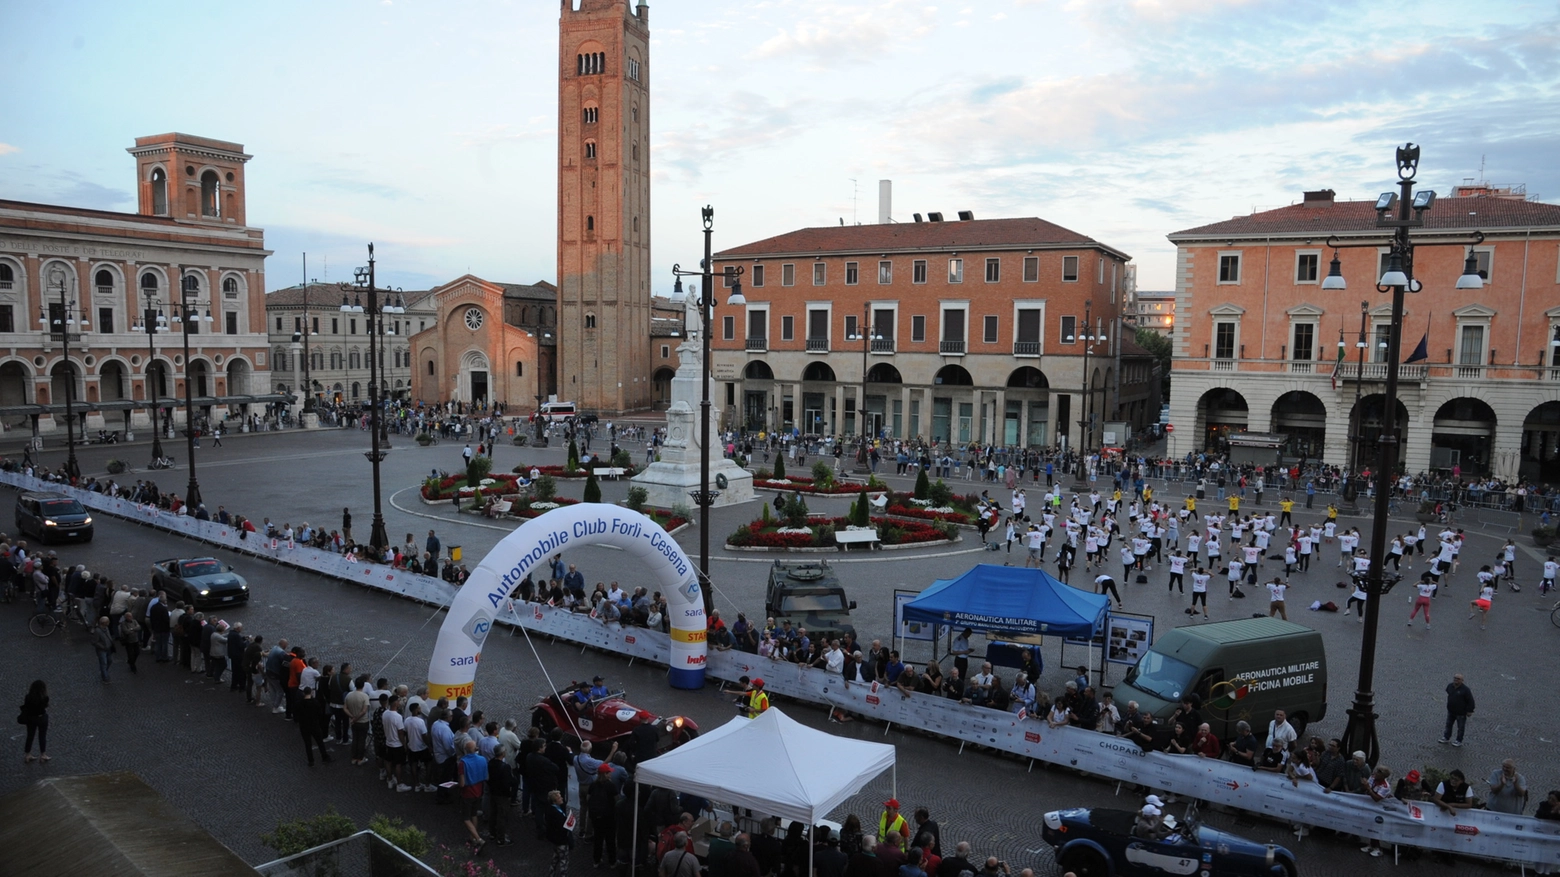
(1554, 374)
(1026, 348)
(1300, 366)
(758, 344)
(882, 345)
(1224, 365)
(953, 347)
(1377, 371)
(817, 345)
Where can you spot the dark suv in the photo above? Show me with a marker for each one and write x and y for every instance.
(52, 517)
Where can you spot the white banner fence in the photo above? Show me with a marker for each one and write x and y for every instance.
(1482, 833)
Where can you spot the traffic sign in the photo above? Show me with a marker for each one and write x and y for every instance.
(1169, 427)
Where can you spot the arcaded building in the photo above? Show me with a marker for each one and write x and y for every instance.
(78, 288)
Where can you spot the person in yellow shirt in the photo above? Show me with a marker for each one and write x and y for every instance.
(1286, 505)
(1234, 503)
(1332, 512)
(758, 701)
(1148, 494)
(1191, 506)
(891, 821)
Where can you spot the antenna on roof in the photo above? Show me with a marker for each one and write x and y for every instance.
(853, 220)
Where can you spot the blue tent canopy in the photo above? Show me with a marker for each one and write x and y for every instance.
(1006, 598)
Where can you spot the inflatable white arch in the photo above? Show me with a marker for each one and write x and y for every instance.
(452, 671)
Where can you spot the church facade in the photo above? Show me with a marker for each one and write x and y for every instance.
(488, 342)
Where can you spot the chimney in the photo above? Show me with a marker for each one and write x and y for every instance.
(934, 216)
(885, 201)
(1319, 198)
(966, 216)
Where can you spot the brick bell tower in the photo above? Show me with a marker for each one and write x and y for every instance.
(604, 205)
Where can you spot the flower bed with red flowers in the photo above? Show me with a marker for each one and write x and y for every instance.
(559, 472)
(765, 534)
(808, 485)
(446, 487)
(667, 520)
(954, 517)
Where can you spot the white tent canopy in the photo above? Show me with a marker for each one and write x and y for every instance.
(771, 764)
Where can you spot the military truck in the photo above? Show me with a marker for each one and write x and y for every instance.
(809, 595)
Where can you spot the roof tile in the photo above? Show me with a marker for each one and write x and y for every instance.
(917, 236)
(1476, 212)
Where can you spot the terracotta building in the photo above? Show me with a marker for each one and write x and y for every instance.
(604, 205)
(486, 342)
(974, 330)
(94, 279)
(1257, 339)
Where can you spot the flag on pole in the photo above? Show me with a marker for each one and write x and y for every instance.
(1422, 351)
(1337, 367)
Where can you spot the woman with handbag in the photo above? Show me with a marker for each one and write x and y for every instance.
(35, 715)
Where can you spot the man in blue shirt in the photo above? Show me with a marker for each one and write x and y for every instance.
(896, 668)
(443, 754)
(574, 582)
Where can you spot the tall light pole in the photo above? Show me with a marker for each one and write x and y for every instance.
(305, 331)
(153, 322)
(1399, 211)
(66, 320)
(704, 497)
(866, 335)
(1088, 336)
(186, 315)
(378, 539)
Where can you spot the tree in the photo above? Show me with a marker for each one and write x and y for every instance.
(294, 837)
(1160, 347)
(574, 457)
(592, 488)
(860, 510)
(780, 465)
(923, 485)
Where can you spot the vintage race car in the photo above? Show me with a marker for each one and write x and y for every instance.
(606, 719)
(1101, 843)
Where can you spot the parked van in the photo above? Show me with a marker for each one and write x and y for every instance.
(1241, 670)
(557, 412)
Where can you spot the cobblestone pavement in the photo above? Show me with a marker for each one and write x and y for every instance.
(238, 771)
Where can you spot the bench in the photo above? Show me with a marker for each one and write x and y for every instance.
(845, 538)
(613, 472)
(502, 508)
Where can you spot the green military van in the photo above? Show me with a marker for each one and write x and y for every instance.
(1241, 670)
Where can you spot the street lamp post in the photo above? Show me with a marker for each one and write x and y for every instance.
(1089, 336)
(704, 497)
(186, 315)
(378, 539)
(866, 335)
(1360, 732)
(153, 322)
(66, 320)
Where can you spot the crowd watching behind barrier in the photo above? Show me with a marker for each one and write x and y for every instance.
(500, 775)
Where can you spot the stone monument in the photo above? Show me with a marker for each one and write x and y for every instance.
(670, 479)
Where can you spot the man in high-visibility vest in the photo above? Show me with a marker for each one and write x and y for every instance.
(891, 821)
(758, 701)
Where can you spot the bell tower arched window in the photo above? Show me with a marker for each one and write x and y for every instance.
(210, 204)
(159, 193)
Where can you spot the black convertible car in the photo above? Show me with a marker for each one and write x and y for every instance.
(1101, 843)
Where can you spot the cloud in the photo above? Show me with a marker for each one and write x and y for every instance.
(744, 122)
(7, 149)
(832, 34)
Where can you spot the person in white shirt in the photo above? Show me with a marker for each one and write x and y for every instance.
(1482, 604)
(1551, 568)
(1348, 540)
(1426, 589)
(419, 757)
(1193, 544)
(1177, 571)
(1357, 599)
(1106, 584)
(1200, 590)
(395, 746)
(1281, 731)
(1305, 551)
(1234, 574)
(1276, 589)
(1128, 560)
(1291, 557)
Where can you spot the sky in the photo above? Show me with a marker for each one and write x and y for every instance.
(430, 128)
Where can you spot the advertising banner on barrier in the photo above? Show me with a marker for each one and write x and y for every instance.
(1481, 833)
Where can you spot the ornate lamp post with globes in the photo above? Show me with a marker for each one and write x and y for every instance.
(1397, 212)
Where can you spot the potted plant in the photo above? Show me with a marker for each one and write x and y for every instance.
(1543, 537)
(424, 439)
(116, 467)
(1426, 512)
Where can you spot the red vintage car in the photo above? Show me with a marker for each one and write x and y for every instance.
(606, 719)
